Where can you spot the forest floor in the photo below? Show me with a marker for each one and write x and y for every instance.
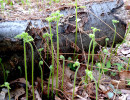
(114, 85)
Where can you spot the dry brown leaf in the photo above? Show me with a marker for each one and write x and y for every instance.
(57, 98)
(120, 84)
(71, 91)
(80, 98)
(90, 88)
(68, 72)
(37, 95)
(125, 50)
(103, 88)
(17, 92)
(20, 80)
(124, 75)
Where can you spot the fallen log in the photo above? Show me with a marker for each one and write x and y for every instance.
(96, 14)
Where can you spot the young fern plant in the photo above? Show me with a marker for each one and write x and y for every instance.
(63, 58)
(102, 66)
(76, 64)
(50, 19)
(106, 40)
(32, 69)
(94, 43)
(57, 16)
(41, 63)
(48, 89)
(19, 67)
(27, 39)
(92, 36)
(6, 84)
(128, 65)
(7, 73)
(113, 22)
(47, 35)
(89, 73)
(40, 51)
(86, 77)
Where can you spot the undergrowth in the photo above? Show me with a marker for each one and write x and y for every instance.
(103, 63)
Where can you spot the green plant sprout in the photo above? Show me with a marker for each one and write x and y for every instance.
(56, 16)
(76, 64)
(6, 1)
(99, 65)
(119, 66)
(32, 69)
(86, 77)
(3, 69)
(6, 84)
(56, 1)
(113, 73)
(70, 64)
(51, 71)
(50, 2)
(2, 5)
(50, 19)
(26, 39)
(41, 63)
(69, 58)
(105, 51)
(92, 36)
(46, 35)
(22, 2)
(89, 73)
(27, 2)
(113, 22)
(94, 43)
(127, 68)
(106, 40)
(128, 82)
(63, 58)
(20, 70)
(40, 50)
(11, 3)
(108, 65)
(7, 73)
